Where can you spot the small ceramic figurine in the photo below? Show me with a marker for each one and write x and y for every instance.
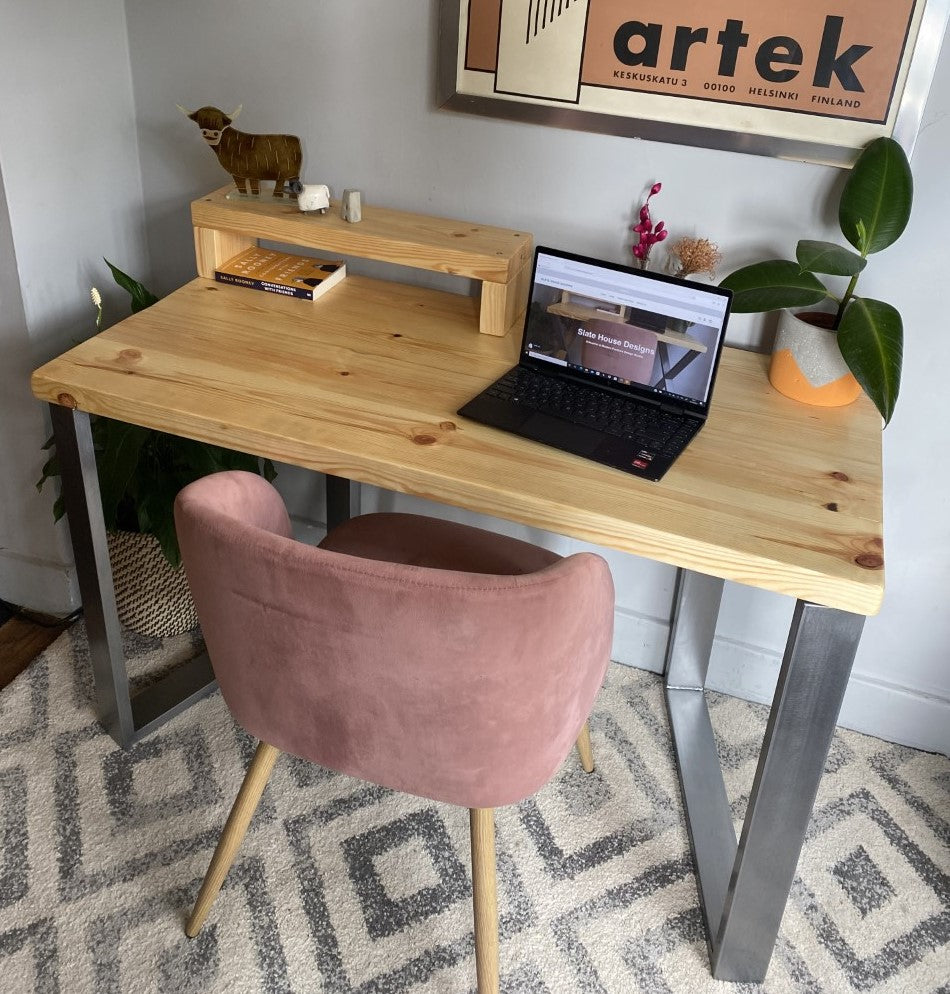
(248, 158)
(311, 196)
(351, 206)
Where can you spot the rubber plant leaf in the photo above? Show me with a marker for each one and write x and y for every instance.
(828, 258)
(871, 340)
(879, 192)
(141, 297)
(772, 285)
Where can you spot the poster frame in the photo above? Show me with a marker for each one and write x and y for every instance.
(920, 60)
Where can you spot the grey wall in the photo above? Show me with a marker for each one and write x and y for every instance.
(71, 193)
(356, 82)
(33, 556)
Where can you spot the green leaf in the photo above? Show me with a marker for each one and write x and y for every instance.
(879, 193)
(871, 339)
(772, 285)
(49, 470)
(157, 517)
(59, 508)
(241, 460)
(141, 298)
(172, 551)
(195, 459)
(828, 258)
(118, 462)
(164, 531)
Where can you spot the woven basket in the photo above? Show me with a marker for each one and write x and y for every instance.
(152, 598)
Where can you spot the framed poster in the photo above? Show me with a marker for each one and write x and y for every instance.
(812, 80)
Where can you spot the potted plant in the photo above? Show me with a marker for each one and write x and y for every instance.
(861, 335)
(140, 473)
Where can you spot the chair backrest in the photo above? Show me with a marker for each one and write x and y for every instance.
(463, 687)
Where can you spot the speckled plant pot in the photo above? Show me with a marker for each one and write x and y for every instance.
(151, 597)
(806, 362)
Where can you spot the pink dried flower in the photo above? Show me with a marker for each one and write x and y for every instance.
(648, 233)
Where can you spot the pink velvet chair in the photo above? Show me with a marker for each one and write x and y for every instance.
(419, 654)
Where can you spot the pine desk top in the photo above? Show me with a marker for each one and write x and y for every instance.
(364, 384)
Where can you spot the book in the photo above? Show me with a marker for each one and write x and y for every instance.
(279, 272)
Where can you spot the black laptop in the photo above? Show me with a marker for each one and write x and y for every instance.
(617, 364)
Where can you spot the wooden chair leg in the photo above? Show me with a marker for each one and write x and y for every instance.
(245, 804)
(584, 749)
(485, 899)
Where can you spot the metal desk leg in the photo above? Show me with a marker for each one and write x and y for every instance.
(744, 887)
(343, 500)
(126, 719)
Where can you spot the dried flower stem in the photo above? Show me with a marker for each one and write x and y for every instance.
(694, 256)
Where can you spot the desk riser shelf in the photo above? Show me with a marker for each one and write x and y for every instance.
(499, 259)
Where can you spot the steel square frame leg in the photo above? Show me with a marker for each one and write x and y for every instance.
(343, 500)
(127, 719)
(744, 886)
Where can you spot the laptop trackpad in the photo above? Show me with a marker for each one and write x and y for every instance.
(561, 434)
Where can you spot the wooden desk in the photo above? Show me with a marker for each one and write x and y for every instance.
(364, 385)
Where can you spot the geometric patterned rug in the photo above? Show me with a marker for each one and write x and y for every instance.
(341, 887)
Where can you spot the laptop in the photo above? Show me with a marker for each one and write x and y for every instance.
(617, 364)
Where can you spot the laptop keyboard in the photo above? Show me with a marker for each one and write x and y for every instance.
(657, 430)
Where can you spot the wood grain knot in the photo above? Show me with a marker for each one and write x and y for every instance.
(66, 400)
(211, 288)
(424, 439)
(397, 334)
(130, 355)
(843, 477)
(868, 560)
(831, 507)
(447, 425)
(344, 372)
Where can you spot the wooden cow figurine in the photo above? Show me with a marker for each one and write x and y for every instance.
(248, 158)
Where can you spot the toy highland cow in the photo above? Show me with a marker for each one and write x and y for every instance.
(248, 158)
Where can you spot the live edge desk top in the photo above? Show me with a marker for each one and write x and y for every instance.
(364, 384)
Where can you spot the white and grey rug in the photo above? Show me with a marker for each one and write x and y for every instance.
(342, 887)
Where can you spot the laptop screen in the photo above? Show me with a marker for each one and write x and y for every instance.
(643, 333)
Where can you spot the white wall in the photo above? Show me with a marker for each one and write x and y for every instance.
(70, 193)
(357, 83)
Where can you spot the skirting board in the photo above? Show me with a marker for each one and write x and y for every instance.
(44, 587)
(889, 711)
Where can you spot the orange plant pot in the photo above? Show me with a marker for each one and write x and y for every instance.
(806, 362)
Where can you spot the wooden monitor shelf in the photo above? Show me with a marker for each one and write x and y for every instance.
(500, 259)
